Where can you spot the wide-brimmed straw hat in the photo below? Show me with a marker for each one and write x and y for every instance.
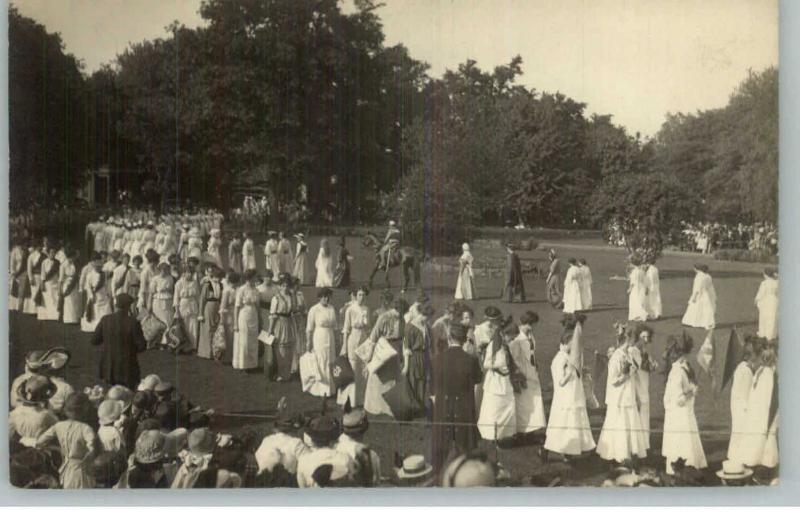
(109, 412)
(36, 389)
(149, 447)
(201, 441)
(122, 394)
(51, 359)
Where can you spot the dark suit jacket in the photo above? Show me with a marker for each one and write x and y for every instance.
(120, 339)
(455, 374)
(513, 271)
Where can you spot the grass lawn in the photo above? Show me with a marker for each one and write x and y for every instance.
(249, 395)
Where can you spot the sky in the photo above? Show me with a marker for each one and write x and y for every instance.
(634, 59)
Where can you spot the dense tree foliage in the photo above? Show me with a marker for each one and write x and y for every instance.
(272, 94)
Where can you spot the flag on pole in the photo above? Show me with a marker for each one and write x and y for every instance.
(732, 356)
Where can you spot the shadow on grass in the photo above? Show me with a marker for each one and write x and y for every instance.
(721, 274)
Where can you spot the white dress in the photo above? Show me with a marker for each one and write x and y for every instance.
(50, 289)
(681, 434)
(245, 340)
(622, 436)
(465, 288)
(68, 281)
(740, 391)
(586, 286)
(15, 265)
(497, 419)
(324, 270)
(642, 382)
(322, 326)
(99, 294)
(654, 309)
(702, 306)
(248, 255)
(767, 304)
(756, 424)
(568, 429)
(529, 405)
(637, 297)
(572, 291)
(34, 280)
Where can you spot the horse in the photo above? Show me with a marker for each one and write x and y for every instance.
(406, 257)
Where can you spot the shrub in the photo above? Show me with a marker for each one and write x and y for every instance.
(746, 255)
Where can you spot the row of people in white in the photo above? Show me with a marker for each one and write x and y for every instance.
(278, 255)
(644, 293)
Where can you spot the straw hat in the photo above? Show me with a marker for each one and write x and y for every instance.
(122, 394)
(149, 383)
(150, 447)
(109, 412)
(414, 467)
(201, 441)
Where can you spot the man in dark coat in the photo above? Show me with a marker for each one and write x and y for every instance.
(455, 374)
(513, 283)
(120, 338)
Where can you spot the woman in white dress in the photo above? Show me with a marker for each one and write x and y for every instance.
(68, 287)
(271, 258)
(756, 426)
(324, 266)
(33, 268)
(644, 364)
(321, 340)
(248, 253)
(299, 268)
(98, 301)
(195, 244)
(214, 247)
(186, 302)
(702, 307)
(245, 338)
(50, 286)
(586, 284)
(653, 282)
(497, 419)
(227, 308)
(681, 434)
(17, 278)
(572, 288)
(568, 430)
(767, 304)
(622, 437)
(528, 401)
(354, 332)
(637, 293)
(465, 288)
(162, 291)
(741, 385)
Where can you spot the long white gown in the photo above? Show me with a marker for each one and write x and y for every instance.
(740, 391)
(642, 383)
(654, 309)
(622, 436)
(248, 255)
(50, 289)
(568, 429)
(245, 340)
(324, 270)
(572, 290)
(767, 304)
(637, 297)
(68, 280)
(586, 286)
(322, 325)
(529, 405)
(465, 289)
(702, 307)
(756, 424)
(681, 434)
(102, 301)
(498, 407)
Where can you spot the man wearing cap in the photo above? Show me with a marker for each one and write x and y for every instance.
(120, 338)
(454, 378)
(514, 284)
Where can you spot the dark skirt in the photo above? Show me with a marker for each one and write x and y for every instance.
(209, 324)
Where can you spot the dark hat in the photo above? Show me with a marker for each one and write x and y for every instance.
(123, 301)
(143, 400)
(107, 467)
(458, 332)
(163, 387)
(427, 310)
(286, 421)
(77, 406)
(36, 389)
(354, 421)
(323, 429)
(492, 313)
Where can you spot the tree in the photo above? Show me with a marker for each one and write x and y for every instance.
(647, 207)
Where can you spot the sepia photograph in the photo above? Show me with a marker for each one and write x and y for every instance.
(392, 243)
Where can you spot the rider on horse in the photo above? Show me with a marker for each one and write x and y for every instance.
(390, 243)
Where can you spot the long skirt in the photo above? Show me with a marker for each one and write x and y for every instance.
(324, 349)
(228, 323)
(768, 317)
(497, 419)
(245, 341)
(300, 339)
(299, 270)
(163, 310)
(771, 457)
(568, 431)
(622, 437)
(76, 474)
(644, 418)
(700, 313)
(381, 382)
(554, 294)
(529, 407)
(73, 307)
(17, 303)
(28, 305)
(682, 437)
(188, 311)
(284, 347)
(208, 326)
(465, 288)
(49, 311)
(102, 307)
(236, 262)
(355, 390)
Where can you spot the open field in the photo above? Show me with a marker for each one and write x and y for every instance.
(249, 395)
